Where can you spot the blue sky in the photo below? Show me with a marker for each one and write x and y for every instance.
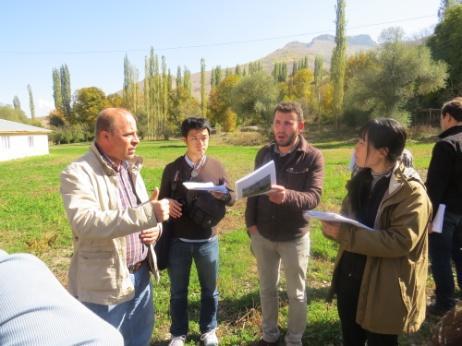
(92, 37)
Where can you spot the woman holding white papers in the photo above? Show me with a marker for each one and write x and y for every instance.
(380, 276)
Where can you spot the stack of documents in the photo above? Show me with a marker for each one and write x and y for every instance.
(256, 183)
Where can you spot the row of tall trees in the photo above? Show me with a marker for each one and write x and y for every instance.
(62, 94)
(160, 101)
(74, 115)
(393, 80)
(237, 99)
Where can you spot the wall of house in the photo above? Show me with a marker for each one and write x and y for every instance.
(17, 146)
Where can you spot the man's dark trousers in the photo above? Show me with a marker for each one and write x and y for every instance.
(444, 248)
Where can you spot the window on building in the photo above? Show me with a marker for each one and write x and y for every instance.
(5, 142)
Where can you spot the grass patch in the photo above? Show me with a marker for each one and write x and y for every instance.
(32, 219)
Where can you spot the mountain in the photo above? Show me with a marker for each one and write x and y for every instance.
(322, 45)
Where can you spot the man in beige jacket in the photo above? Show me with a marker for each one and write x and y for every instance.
(114, 224)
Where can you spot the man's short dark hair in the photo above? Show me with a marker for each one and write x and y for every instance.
(289, 107)
(194, 123)
(453, 108)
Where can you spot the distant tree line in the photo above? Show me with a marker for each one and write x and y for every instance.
(397, 79)
(15, 112)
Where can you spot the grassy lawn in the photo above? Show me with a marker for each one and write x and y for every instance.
(32, 219)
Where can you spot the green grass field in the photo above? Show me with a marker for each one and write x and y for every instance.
(32, 219)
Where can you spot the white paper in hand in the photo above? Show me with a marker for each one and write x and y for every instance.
(258, 182)
(193, 185)
(437, 225)
(333, 217)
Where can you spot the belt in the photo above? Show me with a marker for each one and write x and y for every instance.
(133, 268)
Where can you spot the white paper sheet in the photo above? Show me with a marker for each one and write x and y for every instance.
(437, 225)
(334, 217)
(258, 182)
(209, 186)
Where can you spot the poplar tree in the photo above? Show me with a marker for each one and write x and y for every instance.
(57, 94)
(318, 62)
(126, 86)
(254, 67)
(294, 68)
(275, 72)
(203, 97)
(178, 80)
(318, 65)
(153, 95)
(31, 101)
(146, 103)
(338, 63)
(164, 91)
(130, 92)
(169, 81)
(212, 79)
(217, 76)
(16, 103)
(280, 72)
(187, 81)
(66, 91)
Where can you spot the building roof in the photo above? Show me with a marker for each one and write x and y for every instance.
(12, 127)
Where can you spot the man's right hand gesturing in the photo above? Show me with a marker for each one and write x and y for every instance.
(161, 208)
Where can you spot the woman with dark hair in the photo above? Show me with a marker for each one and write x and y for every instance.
(380, 275)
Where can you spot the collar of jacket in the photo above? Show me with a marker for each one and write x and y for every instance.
(134, 165)
(450, 131)
(401, 175)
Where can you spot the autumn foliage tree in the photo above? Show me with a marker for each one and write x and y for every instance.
(88, 103)
(220, 103)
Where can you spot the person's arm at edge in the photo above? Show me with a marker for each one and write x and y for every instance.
(38, 310)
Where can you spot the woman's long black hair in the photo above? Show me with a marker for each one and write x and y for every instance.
(380, 133)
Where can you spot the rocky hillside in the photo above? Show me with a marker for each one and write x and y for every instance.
(322, 45)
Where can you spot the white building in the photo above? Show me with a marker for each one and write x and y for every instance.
(20, 140)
